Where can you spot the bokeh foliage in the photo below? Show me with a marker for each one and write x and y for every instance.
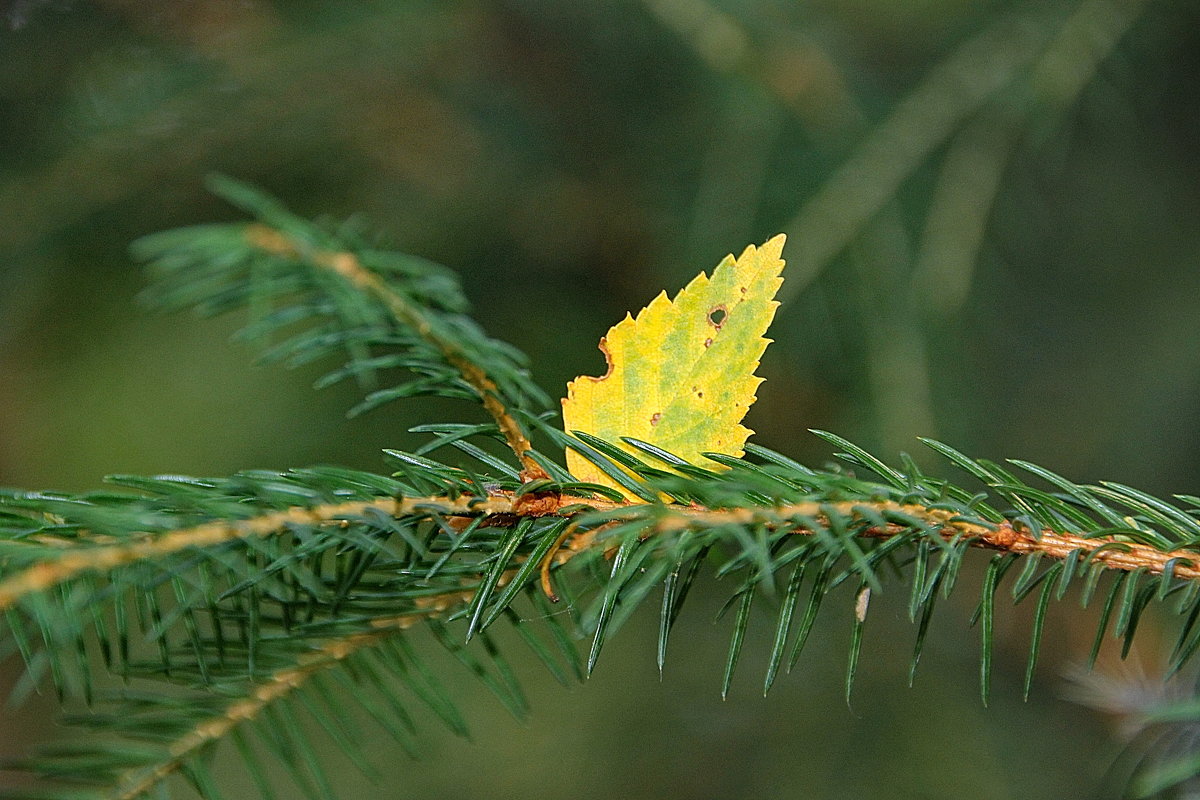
(995, 217)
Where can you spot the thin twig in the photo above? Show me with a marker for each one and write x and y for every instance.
(280, 684)
(348, 266)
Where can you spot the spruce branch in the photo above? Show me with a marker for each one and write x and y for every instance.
(1114, 552)
(242, 709)
(80, 555)
(348, 266)
(326, 291)
(84, 557)
(504, 509)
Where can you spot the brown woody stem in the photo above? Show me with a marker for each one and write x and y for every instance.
(79, 559)
(350, 268)
(1111, 551)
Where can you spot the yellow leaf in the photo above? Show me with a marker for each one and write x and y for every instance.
(681, 375)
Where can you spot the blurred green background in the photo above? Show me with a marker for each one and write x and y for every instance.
(993, 213)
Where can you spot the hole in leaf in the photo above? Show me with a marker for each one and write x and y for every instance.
(717, 316)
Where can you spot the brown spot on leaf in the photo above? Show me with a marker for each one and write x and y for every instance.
(655, 417)
(708, 342)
